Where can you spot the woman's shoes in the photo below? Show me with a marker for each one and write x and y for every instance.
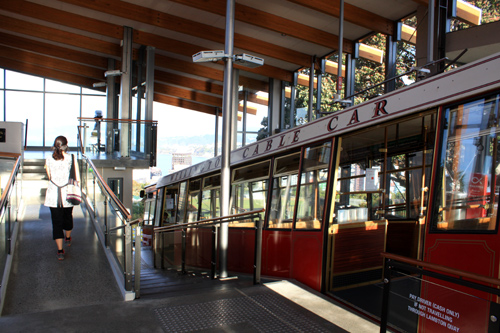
(67, 241)
(60, 255)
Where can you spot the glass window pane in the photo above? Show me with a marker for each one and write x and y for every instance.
(284, 191)
(56, 86)
(61, 115)
(90, 104)
(182, 202)
(21, 81)
(470, 160)
(86, 91)
(248, 196)
(21, 106)
(313, 187)
(252, 172)
(2, 73)
(287, 164)
(2, 113)
(193, 200)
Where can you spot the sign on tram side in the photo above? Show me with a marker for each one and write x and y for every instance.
(463, 82)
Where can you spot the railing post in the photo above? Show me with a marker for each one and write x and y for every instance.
(9, 231)
(385, 299)
(93, 198)
(128, 256)
(214, 252)
(258, 251)
(137, 268)
(183, 263)
(106, 240)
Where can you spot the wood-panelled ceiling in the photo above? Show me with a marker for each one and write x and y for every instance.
(72, 40)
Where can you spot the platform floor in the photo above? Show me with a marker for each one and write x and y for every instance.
(80, 293)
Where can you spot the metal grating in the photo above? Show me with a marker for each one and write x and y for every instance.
(260, 313)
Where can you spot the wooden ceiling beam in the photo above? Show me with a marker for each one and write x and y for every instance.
(206, 72)
(184, 81)
(271, 22)
(188, 50)
(465, 11)
(67, 19)
(49, 73)
(352, 14)
(51, 63)
(112, 30)
(184, 104)
(193, 28)
(187, 94)
(59, 36)
(53, 50)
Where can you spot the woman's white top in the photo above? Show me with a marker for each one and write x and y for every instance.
(59, 174)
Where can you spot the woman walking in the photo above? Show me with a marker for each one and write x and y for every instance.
(58, 168)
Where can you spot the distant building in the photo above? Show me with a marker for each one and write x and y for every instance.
(181, 161)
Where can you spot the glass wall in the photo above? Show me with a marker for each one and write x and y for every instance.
(49, 108)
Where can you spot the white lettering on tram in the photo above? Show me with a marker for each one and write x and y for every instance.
(433, 312)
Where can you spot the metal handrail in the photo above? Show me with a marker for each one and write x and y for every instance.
(139, 220)
(11, 180)
(128, 248)
(460, 277)
(4, 201)
(111, 194)
(207, 222)
(217, 221)
(444, 269)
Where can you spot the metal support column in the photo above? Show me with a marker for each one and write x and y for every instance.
(244, 120)
(216, 143)
(340, 51)
(293, 91)
(430, 30)
(150, 90)
(311, 90)
(110, 108)
(226, 136)
(125, 91)
(390, 63)
(319, 87)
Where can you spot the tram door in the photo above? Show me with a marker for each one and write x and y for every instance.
(463, 231)
(378, 203)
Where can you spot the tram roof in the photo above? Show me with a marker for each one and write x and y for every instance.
(72, 40)
(469, 80)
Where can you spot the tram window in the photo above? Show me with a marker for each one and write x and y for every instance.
(210, 197)
(249, 190)
(312, 189)
(193, 200)
(170, 204)
(285, 178)
(182, 202)
(467, 185)
(381, 171)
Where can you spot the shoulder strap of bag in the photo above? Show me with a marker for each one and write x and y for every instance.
(72, 172)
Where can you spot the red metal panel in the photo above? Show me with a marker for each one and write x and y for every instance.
(307, 258)
(276, 253)
(241, 250)
(199, 248)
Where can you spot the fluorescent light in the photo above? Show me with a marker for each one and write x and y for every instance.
(207, 56)
(99, 84)
(248, 60)
(115, 72)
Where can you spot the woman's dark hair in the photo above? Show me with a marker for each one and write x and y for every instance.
(60, 145)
